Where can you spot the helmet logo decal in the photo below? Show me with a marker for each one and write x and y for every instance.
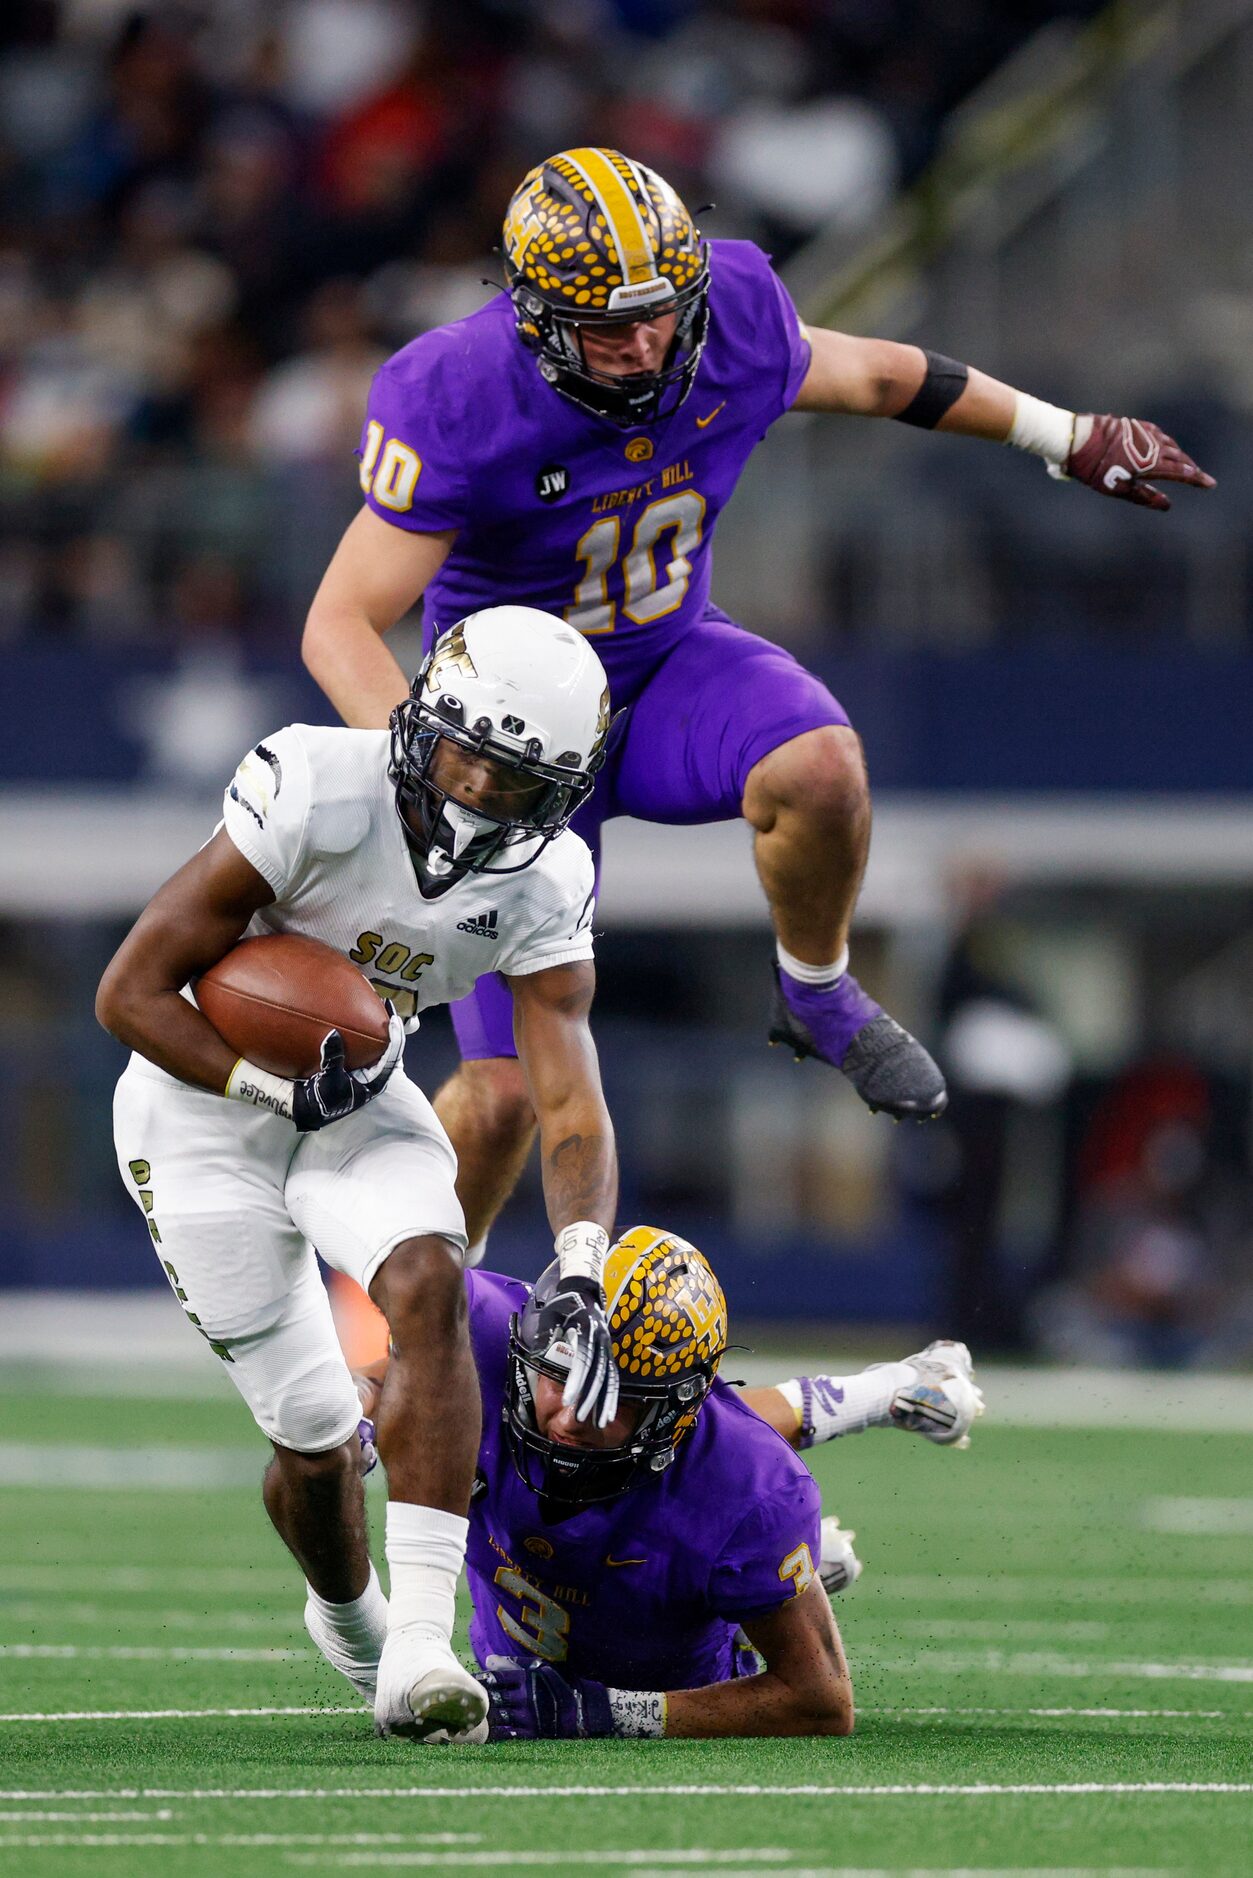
(450, 656)
(522, 223)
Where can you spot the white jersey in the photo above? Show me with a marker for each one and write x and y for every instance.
(314, 810)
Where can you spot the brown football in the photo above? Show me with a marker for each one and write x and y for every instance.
(275, 997)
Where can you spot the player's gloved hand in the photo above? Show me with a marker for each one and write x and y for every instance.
(334, 1090)
(369, 1453)
(531, 1702)
(592, 1383)
(1118, 455)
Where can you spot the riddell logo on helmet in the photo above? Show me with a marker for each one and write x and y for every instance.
(646, 292)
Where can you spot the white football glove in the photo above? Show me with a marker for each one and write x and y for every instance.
(943, 1402)
(839, 1567)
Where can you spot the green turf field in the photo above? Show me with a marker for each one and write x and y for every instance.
(1046, 1682)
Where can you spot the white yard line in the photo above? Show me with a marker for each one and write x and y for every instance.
(171, 1714)
(992, 1629)
(52, 1464)
(1098, 1714)
(47, 1818)
(258, 1839)
(54, 1610)
(1045, 1663)
(151, 1653)
(1028, 1587)
(693, 1790)
(358, 1708)
(1210, 1518)
(62, 1579)
(854, 1871)
(668, 1864)
(669, 1870)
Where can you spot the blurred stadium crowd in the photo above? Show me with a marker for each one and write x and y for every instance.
(217, 219)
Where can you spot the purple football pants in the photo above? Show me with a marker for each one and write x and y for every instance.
(698, 718)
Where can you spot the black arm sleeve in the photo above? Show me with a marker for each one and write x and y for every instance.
(939, 391)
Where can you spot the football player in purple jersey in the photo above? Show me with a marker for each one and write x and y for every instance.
(668, 1573)
(571, 445)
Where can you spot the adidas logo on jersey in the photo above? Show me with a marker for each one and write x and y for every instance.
(482, 925)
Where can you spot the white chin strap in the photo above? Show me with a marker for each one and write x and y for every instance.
(465, 825)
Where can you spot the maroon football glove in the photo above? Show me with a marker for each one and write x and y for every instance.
(1120, 455)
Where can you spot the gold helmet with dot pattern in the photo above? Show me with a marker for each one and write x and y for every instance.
(668, 1320)
(594, 239)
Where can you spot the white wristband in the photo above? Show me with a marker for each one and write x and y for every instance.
(247, 1083)
(1042, 428)
(581, 1250)
(637, 1712)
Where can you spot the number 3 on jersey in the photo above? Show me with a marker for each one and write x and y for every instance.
(542, 1626)
(389, 472)
(644, 599)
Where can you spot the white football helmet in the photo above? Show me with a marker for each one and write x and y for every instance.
(523, 688)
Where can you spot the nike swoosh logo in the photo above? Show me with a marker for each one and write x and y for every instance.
(611, 1562)
(702, 421)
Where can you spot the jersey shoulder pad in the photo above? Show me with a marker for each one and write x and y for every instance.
(347, 776)
(448, 373)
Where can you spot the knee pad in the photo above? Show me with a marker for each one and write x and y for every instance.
(297, 1386)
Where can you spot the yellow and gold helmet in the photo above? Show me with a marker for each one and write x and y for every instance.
(668, 1320)
(593, 238)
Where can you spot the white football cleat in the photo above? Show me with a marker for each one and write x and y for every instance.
(425, 1694)
(944, 1402)
(838, 1565)
(362, 1676)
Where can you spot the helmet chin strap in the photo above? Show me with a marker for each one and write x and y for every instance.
(465, 825)
(454, 832)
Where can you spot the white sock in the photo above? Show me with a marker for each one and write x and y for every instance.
(846, 1405)
(425, 1552)
(811, 974)
(351, 1635)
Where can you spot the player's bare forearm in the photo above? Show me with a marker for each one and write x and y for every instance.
(377, 573)
(187, 926)
(579, 1162)
(349, 660)
(1123, 457)
(805, 1688)
(580, 1172)
(880, 378)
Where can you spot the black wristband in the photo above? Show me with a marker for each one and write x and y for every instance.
(939, 391)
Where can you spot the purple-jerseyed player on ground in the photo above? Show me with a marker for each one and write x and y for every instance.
(665, 1574)
(571, 446)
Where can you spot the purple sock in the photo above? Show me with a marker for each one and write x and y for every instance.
(832, 1014)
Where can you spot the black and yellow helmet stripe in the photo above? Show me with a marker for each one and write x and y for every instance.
(620, 206)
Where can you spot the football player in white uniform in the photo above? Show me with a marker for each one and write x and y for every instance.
(430, 856)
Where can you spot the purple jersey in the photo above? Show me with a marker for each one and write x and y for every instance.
(555, 508)
(645, 1591)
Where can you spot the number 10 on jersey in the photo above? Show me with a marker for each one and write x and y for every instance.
(646, 595)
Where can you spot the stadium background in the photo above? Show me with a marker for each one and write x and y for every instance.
(216, 219)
